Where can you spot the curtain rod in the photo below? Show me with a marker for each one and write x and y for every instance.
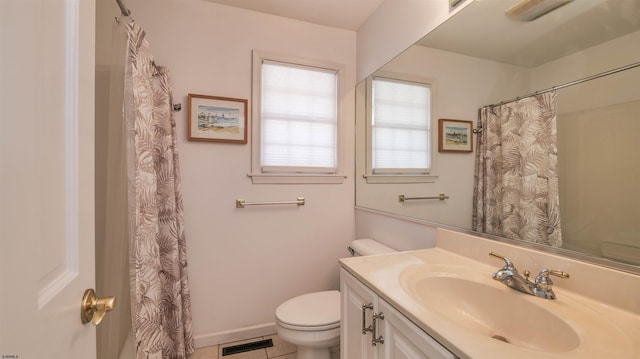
(123, 8)
(593, 77)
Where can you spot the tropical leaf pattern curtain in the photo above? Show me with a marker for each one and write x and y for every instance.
(516, 179)
(161, 307)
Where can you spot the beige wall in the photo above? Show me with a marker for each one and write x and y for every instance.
(243, 263)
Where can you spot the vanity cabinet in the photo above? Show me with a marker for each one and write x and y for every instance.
(372, 329)
(358, 304)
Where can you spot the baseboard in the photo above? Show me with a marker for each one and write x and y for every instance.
(205, 340)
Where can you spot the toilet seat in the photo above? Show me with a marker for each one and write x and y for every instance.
(311, 312)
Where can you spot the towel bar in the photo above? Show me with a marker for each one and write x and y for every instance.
(402, 198)
(241, 203)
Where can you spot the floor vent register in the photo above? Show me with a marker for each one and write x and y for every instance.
(247, 347)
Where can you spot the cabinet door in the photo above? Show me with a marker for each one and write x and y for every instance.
(404, 340)
(354, 344)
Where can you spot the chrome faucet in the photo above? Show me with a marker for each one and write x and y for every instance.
(541, 287)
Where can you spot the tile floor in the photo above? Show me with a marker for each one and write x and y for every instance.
(279, 350)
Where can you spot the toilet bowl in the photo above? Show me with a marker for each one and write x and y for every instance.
(312, 321)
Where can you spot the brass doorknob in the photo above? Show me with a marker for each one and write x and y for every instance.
(93, 308)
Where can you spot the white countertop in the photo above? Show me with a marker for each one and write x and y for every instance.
(603, 331)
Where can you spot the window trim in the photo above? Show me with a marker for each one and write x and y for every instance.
(257, 175)
(386, 176)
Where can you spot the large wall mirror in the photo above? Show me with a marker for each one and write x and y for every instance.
(481, 57)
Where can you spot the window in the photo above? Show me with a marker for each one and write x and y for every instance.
(399, 131)
(296, 121)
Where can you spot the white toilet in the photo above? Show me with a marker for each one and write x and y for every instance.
(312, 321)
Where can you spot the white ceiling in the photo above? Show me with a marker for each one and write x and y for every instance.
(343, 14)
(578, 25)
(571, 28)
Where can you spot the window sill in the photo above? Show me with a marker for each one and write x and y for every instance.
(261, 178)
(400, 178)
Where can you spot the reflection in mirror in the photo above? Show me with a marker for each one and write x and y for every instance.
(481, 57)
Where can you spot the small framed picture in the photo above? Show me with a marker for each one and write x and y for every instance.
(455, 135)
(218, 119)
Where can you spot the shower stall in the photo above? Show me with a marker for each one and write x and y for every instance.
(141, 254)
(114, 335)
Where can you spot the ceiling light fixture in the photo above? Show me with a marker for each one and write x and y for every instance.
(527, 10)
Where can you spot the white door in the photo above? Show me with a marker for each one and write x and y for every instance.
(46, 177)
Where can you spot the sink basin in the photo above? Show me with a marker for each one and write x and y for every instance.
(454, 300)
(494, 312)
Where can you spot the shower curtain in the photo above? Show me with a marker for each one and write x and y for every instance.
(160, 299)
(516, 179)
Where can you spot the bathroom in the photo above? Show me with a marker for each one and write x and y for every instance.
(267, 260)
(243, 263)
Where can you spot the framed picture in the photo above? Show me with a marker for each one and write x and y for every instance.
(219, 119)
(455, 135)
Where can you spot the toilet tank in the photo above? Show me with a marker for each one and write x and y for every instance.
(367, 247)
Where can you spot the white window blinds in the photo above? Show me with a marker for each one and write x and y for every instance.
(299, 118)
(400, 127)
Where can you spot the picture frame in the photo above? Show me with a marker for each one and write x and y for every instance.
(455, 135)
(217, 119)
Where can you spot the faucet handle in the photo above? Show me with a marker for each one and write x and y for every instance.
(558, 273)
(507, 262)
(544, 282)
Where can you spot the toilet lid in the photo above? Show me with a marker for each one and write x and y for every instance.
(320, 309)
